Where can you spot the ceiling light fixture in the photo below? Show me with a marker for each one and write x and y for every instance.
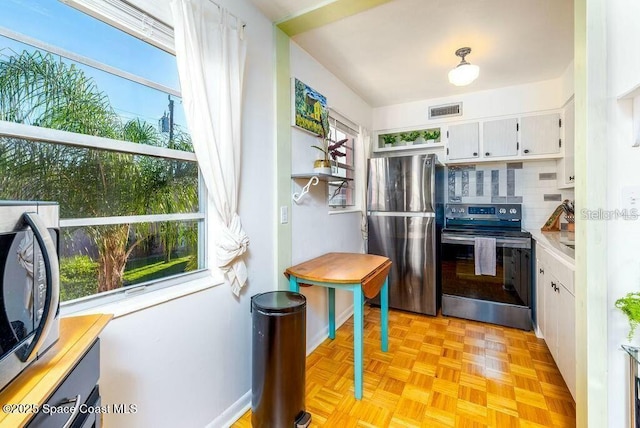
(464, 73)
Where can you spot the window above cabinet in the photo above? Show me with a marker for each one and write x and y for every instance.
(410, 139)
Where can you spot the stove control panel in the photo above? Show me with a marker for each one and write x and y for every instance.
(484, 212)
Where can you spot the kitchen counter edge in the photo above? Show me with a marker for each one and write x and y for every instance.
(551, 242)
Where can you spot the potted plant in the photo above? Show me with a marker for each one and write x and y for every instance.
(329, 149)
(431, 135)
(389, 140)
(630, 305)
(409, 137)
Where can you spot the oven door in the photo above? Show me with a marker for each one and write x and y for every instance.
(484, 297)
(29, 292)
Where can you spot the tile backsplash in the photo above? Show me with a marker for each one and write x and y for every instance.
(532, 184)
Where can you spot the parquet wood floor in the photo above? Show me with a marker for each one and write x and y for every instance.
(439, 372)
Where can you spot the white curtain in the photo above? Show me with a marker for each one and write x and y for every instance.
(364, 146)
(210, 51)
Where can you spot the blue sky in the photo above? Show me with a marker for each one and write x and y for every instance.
(55, 23)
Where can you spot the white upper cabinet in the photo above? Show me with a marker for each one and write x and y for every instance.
(566, 165)
(463, 141)
(540, 135)
(500, 138)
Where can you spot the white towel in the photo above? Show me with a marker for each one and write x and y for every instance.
(485, 256)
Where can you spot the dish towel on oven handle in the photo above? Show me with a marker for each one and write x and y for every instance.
(485, 256)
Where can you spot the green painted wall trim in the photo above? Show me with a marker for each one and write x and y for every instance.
(283, 154)
(591, 275)
(326, 14)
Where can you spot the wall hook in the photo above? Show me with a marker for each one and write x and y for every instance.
(312, 182)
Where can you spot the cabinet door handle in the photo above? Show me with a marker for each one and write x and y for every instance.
(526, 150)
(76, 410)
(571, 177)
(475, 153)
(487, 154)
(541, 271)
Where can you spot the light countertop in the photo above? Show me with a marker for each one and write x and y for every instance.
(553, 242)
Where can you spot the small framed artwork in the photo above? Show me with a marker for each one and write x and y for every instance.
(310, 111)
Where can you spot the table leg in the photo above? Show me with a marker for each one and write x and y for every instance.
(358, 324)
(384, 315)
(293, 284)
(332, 312)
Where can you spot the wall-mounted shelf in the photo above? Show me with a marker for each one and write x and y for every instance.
(630, 93)
(314, 178)
(321, 177)
(632, 97)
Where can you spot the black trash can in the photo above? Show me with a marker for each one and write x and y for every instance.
(278, 360)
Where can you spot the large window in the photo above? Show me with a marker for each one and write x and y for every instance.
(91, 117)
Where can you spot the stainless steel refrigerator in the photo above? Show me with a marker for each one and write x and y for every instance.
(404, 204)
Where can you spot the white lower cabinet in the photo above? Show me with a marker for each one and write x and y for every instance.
(567, 338)
(556, 313)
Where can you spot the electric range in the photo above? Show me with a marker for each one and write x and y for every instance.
(486, 264)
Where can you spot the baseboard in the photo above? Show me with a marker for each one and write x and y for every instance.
(233, 413)
(240, 407)
(320, 337)
(537, 331)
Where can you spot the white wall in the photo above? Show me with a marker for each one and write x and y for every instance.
(567, 83)
(531, 97)
(187, 361)
(314, 230)
(623, 238)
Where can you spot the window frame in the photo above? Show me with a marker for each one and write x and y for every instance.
(337, 121)
(139, 25)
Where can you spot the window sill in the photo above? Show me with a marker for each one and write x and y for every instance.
(345, 211)
(143, 301)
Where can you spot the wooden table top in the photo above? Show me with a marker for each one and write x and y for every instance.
(38, 381)
(345, 268)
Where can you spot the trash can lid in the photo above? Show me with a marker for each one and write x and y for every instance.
(279, 302)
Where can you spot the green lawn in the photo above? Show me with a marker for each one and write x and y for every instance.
(155, 270)
(78, 274)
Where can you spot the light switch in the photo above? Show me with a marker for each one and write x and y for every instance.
(284, 214)
(630, 197)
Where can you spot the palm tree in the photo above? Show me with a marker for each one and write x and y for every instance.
(37, 89)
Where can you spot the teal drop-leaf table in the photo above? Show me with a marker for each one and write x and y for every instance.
(365, 275)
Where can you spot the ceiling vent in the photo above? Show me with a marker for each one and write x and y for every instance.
(445, 110)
